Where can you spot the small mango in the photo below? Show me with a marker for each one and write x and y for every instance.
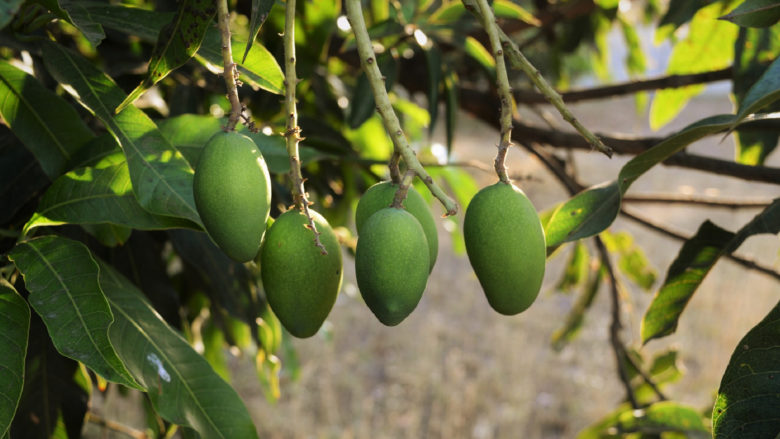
(380, 196)
(232, 192)
(301, 284)
(505, 245)
(391, 264)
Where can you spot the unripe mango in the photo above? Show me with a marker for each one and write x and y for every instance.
(380, 196)
(301, 284)
(506, 247)
(232, 191)
(391, 264)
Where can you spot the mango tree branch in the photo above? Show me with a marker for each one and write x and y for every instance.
(385, 108)
(230, 72)
(502, 85)
(519, 61)
(292, 132)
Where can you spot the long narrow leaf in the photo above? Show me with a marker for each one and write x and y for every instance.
(62, 279)
(162, 178)
(49, 127)
(14, 325)
(182, 386)
(260, 10)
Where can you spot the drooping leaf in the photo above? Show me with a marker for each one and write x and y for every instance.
(451, 108)
(576, 316)
(258, 69)
(454, 10)
(636, 64)
(80, 17)
(21, 176)
(479, 53)
(678, 13)
(362, 104)
(762, 93)
(696, 258)
(62, 279)
(749, 395)
(631, 259)
(594, 209)
(14, 324)
(47, 125)
(260, 10)
(98, 195)
(213, 340)
(161, 177)
(176, 44)
(182, 386)
(708, 46)
(755, 13)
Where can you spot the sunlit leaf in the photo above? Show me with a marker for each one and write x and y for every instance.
(161, 177)
(755, 13)
(478, 52)
(182, 386)
(576, 270)
(631, 259)
(763, 92)
(576, 316)
(260, 10)
(176, 44)
(749, 395)
(62, 279)
(433, 62)
(14, 324)
(47, 125)
(696, 258)
(80, 17)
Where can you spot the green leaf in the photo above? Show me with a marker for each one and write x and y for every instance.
(362, 105)
(433, 63)
(451, 107)
(594, 209)
(108, 235)
(182, 386)
(577, 268)
(49, 127)
(598, 430)
(478, 52)
(576, 316)
(258, 69)
(21, 177)
(635, 59)
(656, 419)
(62, 279)
(80, 17)
(8, 10)
(632, 260)
(708, 46)
(762, 93)
(755, 13)
(260, 10)
(161, 177)
(696, 258)
(678, 13)
(14, 325)
(176, 44)
(749, 395)
(214, 348)
(508, 9)
(95, 195)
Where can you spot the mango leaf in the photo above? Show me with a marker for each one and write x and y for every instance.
(8, 9)
(47, 125)
(762, 93)
(95, 195)
(749, 395)
(14, 325)
(577, 267)
(708, 46)
(213, 340)
(62, 279)
(176, 44)
(631, 259)
(594, 209)
(451, 107)
(454, 10)
(260, 10)
(182, 386)
(80, 17)
(258, 69)
(433, 62)
(361, 105)
(678, 13)
(478, 52)
(108, 235)
(696, 258)
(576, 316)
(21, 177)
(656, 419)
(755, 13)
(161, 177)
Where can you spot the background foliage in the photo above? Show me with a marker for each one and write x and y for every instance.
(108, 279)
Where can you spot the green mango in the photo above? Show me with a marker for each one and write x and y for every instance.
(232, 191)
(506, 247)
(301, 284)
(380, 196)
(391, 264)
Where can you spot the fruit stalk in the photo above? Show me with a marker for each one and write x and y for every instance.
(519, 61)
(292, 132)
(385, 108)
(403, 190)
(504, 90)
(230, 73)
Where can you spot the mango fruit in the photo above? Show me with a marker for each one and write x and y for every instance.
(380, 196)
(232, 191)
(301, 284)
(391, 264)
(505, 245)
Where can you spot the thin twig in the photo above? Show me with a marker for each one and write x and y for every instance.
(647, 378)
(629, 87)
(403, 190)
(519, 61)
(385, 108)
(731, 203)
(502, 86)
(615, 325)
(230, 73)
(115, 426)
(293, 132)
